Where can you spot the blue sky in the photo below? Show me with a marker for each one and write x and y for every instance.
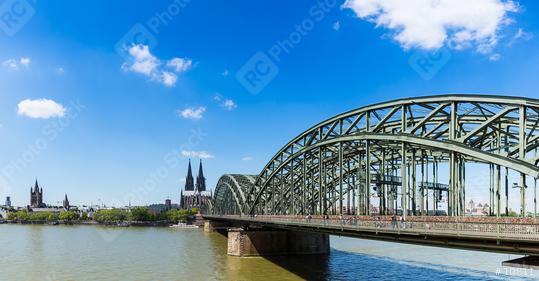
(119, 131)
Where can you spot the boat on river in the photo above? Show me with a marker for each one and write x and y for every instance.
(183, 225)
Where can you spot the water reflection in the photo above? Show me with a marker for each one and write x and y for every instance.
(88, 253)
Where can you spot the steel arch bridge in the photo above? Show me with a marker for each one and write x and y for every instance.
(393, 152)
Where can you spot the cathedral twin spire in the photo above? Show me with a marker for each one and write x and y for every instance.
(200, 180)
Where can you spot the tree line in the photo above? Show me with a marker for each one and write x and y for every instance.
(105, 215)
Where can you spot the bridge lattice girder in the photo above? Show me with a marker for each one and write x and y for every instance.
(333, 161)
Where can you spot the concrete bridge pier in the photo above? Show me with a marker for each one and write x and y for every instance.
(212, 226)
(264, 242)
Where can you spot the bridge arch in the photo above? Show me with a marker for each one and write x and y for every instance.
(229, 196)
(331, 167)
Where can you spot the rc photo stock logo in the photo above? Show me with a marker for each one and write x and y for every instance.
(257, 73)
(428, 63)
(14, 15)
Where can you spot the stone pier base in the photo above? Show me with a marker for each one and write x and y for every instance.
(211, 226)
(245, 243)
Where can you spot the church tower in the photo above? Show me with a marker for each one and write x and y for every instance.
(189, 183)
(36, 196)
(66, 203)
(201, 180)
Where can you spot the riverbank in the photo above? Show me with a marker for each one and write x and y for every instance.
(90, 222)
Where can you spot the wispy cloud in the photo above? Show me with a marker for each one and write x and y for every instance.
(520, 35)
(142, 61)
(41, 108)
(25, 61)
(180, 64)
(431, 24)
(495, 57)
(246, 158)
(14, 64)
(336, 26)
(193, 113)
(10, 64)
(196, 154)
(225, 73)
(228, 104)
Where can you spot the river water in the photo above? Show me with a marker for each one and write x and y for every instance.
(42, 252)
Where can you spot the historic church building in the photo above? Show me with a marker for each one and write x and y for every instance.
(194, 194)
(36, 197)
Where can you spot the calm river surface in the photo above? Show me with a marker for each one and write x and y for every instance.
(42, 252)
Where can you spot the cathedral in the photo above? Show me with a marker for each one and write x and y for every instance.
(36, 197)
(194, 194)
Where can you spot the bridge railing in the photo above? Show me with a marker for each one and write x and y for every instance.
(498, 229)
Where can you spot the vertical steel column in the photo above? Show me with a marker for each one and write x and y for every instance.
(422, 188)
(403, 164)
(506, 145)
(463, 186)
(435, 179)
(498, 178)
(282, 202)
(426, 185)
(382, 192)
(292, 188)
(360, 188)
(367, 192)
(414, 184)
(321, 199)
(452, 161)
(491, 187)
(348, 189)
(340, 180)
(535, 189)
(303, 185)
(506, 191)
(522, 156)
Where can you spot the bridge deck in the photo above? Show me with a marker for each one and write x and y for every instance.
(519, 238)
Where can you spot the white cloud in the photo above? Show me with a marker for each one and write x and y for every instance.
(193, 113)
(169, 79)
(520, 35)
(247, 158)
(11, 64)
(142, 61)
(229, 104)
(196, 154)
(336, 26)
(41, 108)
(495, 57)
(431, 24)
(180, 64)
(25, 61)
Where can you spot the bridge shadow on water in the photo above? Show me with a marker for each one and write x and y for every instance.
(343, 265)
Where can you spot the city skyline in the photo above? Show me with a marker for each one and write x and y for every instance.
(96, 116)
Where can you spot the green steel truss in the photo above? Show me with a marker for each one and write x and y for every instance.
(376, 152)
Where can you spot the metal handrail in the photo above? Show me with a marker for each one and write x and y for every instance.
(498, 230)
